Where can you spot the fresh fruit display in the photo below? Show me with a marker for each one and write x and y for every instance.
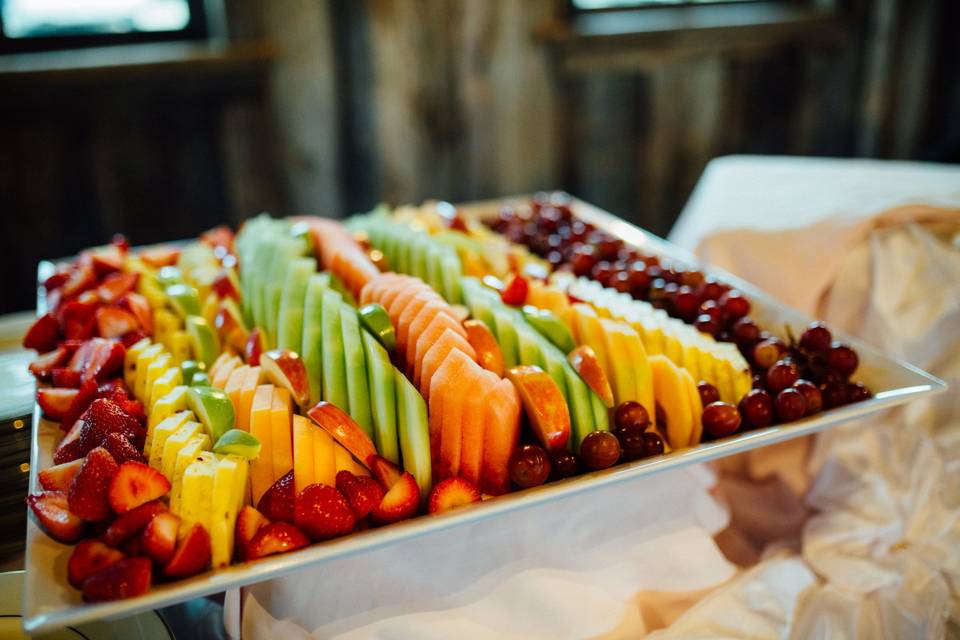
(238, 397)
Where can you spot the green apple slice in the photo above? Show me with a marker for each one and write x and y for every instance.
(213, 408)
(375, 319)
(548, 324)
(169, 275)
(239, 443)
(200, 379)
(290, 326)
(311, 349)
(383, 394)
(184, 298)
(334, 368)
(414, 434)
(203, 339)
(358, 393)
(190, 368)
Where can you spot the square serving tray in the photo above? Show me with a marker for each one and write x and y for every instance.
(49, 602)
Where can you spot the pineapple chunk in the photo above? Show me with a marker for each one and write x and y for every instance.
(165, 323)
(229, 496)
(176, 442)
(161, 432)
(167, 405)
(180, 346)
(156, 369)
(144, 360)
(130, 361)
(196, 493)
(190, 452)
(165, 384)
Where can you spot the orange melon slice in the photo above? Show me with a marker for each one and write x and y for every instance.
(234, 385)
(261, 467)
(501, 419)
(409, 314)
(281, 433)
(426, 317)
(429, 339)
(477, 383)
(445, 412)
(402, 299)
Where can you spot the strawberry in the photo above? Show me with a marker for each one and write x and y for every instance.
(277, 502)
(386, 472)
(362, 492)
(159, 538)
(249, 521)
(219, 236)
(133, 337)
(98, 358)
(87, 393)
(120, 242)
(77, 321)
(121, 449)
(322, 512)
(400, 502)
(140, 308)
(43, 334)
(113, 322)
(59, 477)
(452, 493)
(117, 285)
(88, 493)
(81, 278)
(192, 555)
(43, 367)
(53, 514)
(57, 280)
(106, 262)
(134, 484)
(104, 417)
(65, 377)
(54, 401)
(160, 256)
(69, 448)
(131, 523)
(89, 557)
(123, 579)
(276, 537)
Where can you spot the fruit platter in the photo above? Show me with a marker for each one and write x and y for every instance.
(228, 409)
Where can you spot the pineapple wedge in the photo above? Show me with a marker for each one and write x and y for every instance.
(196, 492)
(229, 496)
(158, 438)
(144, 360)
(163, 385)
(173, 444)
(130, 361)
(190, 452)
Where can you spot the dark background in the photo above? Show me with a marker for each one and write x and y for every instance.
(329, 107)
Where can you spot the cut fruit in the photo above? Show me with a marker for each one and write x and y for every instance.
(358, 393)
(230, 486)
(234, 386)
(203, 339)
(436, 355)
(343, 429)
(451, 494)
(261, 469)
(414, 431)
(671, 394)
(502, 420)
(220, 377)
(161, 432)
(620, 369)
(311, 349)
(334, 366)
(173, 445)
(543, 404)
(696, 407)
(281, 430)
(585, 363)
(426, 322)
(290, 322)
(196, 492)
(238, 443)
(485, 345)
(134, 484)
(451, 394)
(214, 409)
(254, 378)
(478, 382)
(284, 368)
(409, 314)
(303, 470)
(184, 299)
(324, 458)
(380, 377)
(374, 318)
(550, 326)
(185, 457)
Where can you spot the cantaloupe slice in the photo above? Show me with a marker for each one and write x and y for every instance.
(215, 367)
(671, 393)
(409, 314)
(445, 410)
(431, 361)
(324, 459)
(501, 406)
(374, 289)
(281, 432)
(220, 378)
(251, 380)
(440, 324)
(303, 470)
(392, 290)
(400, 302)
(477, 383)
(261, 467)
(234, 385)
(427, 315)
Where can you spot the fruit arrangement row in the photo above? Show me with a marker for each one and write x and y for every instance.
(243, 396)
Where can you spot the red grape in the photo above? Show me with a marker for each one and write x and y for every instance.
(632, 445)
(708, 393)
(842, 359)
(790, 405)
(759, 381)
(720, 419)
(745, 331)
(858, 392)
(600, 449)
(620, 281)
(652, 444)
(565, 464)
(631, 415)
(734, 304)
(712, 309)
(583, 260)
(767, 352)
(602, 271)
(706, 324)
(711, 289)
(782, 375)
(757, 408)
(834, 394)
(685, 303)
(811, 394)
(816, 338)
(692, 279)
(529, 466)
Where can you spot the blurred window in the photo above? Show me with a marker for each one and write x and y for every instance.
(62, 24)
(588, 5)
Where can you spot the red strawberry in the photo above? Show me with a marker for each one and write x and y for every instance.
(121, 243)
(42, 334)
(133, 337)
(77, 321)
(124, 579)
(400, 502)
(386, 472)
(57, 280)
(53, 514)
(117, 285)
(64, 377)
(88, 558)
(219, 236)
(277, 502)
(140, 308)
(54, 401)
(121, 449)
(43, 367)
(88, 493)
(160, 256)
(104, 417)
(452, 493)
(86, 395)
(98, 358)
(134, 484)
(113, 322)
(276, 537)
(322, 512)
(249, 521)
(59, 477)
(131, 523)
(159, 539)
(69, 448)
(362, 492)
(192, 554)
(106, 261)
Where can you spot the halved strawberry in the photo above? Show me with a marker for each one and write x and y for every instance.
(386, 472)
(66, 377)
(113, 322)
(57, 280)
(70, 448)
(98, 358)
(106, 261)
(225, 285)
(133, 337)
(59, 477)
(249, 521)
(121, 449)
(87, 496)
(140, 308)
(76, 319)
(123, 579)
(117, 285)
(276, 537)
(400, 502)
(53, 514)
(322, 512)
(54, 401)
(452, 493)
(43, 367)
(277, 502)
(104, 417)
(81, 278)
(134, 484)
(192, 555)
(362, 492)
(159, 538)
(43, 334)
(160, 256)
(131, 523)
(81, 402)
(90, 557)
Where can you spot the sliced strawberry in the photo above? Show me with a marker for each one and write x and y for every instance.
(133, 337)
(131, 523)
(98, 358)
(43, 367)
(400, 502)
(59, 477)
(81, 402)
(66, 377)
(57, 280)
(121, 449)
(90, 557)
(53, 514)
(452, 493)
(123, 579)
(120, 242)
(87, 497)
(249, 522)
(192, 554)
(54, 401)
(43, 334)
(276, 537)
(160, 256)
(70, 448)
(77, 321)
(362, 492)
(106, 262)
(134, 484)
(277, 502)
(117, 285)
(140, 308)
(82, 278)
(322, 512)
(386, 472)
(159, 538)
(113, 322)
(104, 417)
